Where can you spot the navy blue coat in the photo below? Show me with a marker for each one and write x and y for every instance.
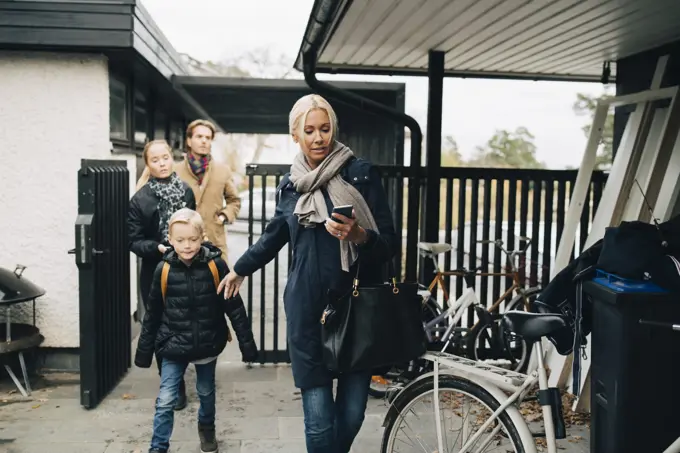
(316, 266)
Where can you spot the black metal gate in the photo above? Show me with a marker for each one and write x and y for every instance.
(103, 262)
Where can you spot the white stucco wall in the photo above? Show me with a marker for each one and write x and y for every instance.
(54, 111)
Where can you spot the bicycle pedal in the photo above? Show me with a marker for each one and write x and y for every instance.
(392, 392)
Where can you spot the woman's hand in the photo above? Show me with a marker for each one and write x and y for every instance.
(348, 230)
(162, 248)
(230, 284)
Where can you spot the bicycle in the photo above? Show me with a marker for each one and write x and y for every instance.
(482, 390)
(480, 335)
(482, 341)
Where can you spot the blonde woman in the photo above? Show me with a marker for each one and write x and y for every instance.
(324, 174)
(150, 210)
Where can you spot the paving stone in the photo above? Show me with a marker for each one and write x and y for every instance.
(175, 447)
(270, 446)
(52, 447)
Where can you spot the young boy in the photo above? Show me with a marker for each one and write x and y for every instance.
(185, 324)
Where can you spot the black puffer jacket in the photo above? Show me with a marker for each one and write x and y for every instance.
(190, 325)
(144, 232)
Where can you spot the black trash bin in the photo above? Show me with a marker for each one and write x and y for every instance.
(635, 379)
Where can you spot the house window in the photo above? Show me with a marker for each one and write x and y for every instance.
(176, 138)
(141, 118)
(117, 109)
(160, 120)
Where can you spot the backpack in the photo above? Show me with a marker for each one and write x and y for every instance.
(213, 270)
(643, 252)
(563, 295)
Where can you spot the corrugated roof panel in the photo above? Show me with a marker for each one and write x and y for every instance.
(432, 16)
(542, 18)
(568, 39)
(464, 14)
(382, 34)
(637, 27)
(593, 21)
(489, 20)
(373, 16)
(346, 28)
(616, 47)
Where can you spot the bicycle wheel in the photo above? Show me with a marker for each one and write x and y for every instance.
(380, 383)
(468, 406)
(487, 342)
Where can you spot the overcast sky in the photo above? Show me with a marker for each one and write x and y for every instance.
(473, 109)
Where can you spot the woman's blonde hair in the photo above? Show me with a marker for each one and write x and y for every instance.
(145, 153)
(304, 105)
(188, 217)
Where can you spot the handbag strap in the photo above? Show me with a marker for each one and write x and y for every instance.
(393, 278)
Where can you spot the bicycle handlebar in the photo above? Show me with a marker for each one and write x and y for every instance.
(499, 243)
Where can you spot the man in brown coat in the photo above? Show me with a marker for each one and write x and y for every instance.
(217, 200)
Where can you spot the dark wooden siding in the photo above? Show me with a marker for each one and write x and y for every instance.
(150, 42)
(374, 137)
(635, 74)
(104, 26)
(67, 24)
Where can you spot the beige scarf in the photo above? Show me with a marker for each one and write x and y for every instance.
(311, 207)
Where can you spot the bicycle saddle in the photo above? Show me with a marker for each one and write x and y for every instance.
(532, 326)
(434, 248)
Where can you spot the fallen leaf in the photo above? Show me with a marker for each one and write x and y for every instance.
(533, 417)
(36, 406)
(529, 408)
(128, 396)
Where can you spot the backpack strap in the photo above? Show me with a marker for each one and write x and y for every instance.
(215, 272)
(216, 278)
(164, 279)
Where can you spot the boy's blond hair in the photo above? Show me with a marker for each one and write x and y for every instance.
(189, 217)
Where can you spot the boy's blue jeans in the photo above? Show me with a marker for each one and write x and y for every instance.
(171, 375)
(331, 426)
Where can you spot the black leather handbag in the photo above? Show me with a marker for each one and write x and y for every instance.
(369, 327)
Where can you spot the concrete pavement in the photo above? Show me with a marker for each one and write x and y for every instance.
(258, 410)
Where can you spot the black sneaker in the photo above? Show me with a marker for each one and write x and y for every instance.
(156, 450)
(182, 398)
(206, 434)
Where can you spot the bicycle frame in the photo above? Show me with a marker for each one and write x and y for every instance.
(438, 281)
(455, 313)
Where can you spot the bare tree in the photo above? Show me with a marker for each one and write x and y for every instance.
(263, 63)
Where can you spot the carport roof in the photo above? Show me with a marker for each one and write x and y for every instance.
(515, 39)
(241, 105)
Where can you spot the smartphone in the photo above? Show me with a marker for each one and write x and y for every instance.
(343, 210)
